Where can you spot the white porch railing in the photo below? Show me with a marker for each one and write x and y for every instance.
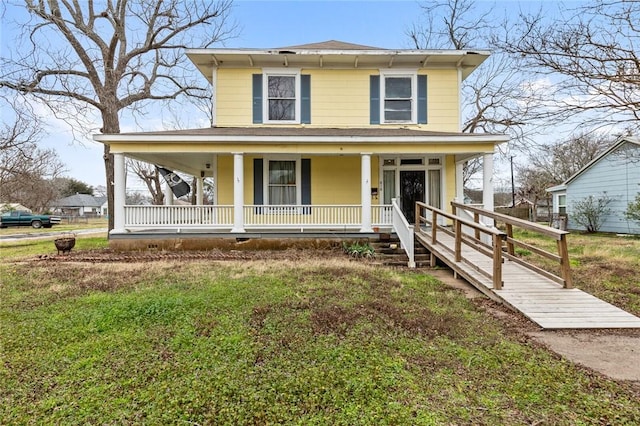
(381, 216)
(295, 216)
(178, 216)
(404, 231)
(256, 217)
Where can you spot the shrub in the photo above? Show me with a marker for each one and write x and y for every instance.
(358, 249)
(633, 210)
(591, 211)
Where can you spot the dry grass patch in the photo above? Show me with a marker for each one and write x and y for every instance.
(268, 341)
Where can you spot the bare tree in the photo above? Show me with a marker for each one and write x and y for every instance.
(497, 98)
(562, 159)
(451, 24)
(27, 173)
(532, 186)
(555, 163)
(150, 176)
(591, 54)
(109, 57)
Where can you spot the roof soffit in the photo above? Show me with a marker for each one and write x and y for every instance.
(335, 55)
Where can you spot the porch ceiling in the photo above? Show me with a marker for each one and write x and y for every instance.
(192, 163)
(190, 150)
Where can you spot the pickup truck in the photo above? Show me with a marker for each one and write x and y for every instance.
(25, 218)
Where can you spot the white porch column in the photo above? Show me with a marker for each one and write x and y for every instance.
(238, 192)
(200, 191)
(366, 192)
(460, 181)
(119, 192)
(487, 184)
(168, 195)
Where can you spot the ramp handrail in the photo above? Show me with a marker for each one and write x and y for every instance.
(404, 231)
(429, 215)
(562, 258)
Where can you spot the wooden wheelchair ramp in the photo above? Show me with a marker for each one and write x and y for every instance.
(484, 257)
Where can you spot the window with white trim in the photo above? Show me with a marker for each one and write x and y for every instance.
(562, 204)
(398, 96)
(282, 182)
(281, 94)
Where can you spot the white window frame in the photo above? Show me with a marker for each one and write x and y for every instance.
(558, 205)
(413, 75)
(280, 72)
(265, 176)
(397, 167)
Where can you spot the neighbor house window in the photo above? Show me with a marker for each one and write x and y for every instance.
(562, 204)
(399, 98)
(282, 187)
(282, 97)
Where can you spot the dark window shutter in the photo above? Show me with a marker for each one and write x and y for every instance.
(305, 99)
(422, 99)
(257, 98)
(374, 99)
(305, 169)
(258, 194)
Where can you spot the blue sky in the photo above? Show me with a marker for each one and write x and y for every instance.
(283, 23)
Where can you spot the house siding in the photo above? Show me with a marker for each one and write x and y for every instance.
(449, 171)
(234, 97)
(339, 98)
(443, 101)
(617, 174)
(224, 185)
(328, 177)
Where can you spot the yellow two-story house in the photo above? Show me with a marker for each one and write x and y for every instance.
(328, 137)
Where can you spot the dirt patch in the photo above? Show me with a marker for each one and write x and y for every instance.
(613, 353)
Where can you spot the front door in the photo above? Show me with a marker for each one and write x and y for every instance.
(412, 187)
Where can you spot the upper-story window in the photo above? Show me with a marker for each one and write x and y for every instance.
(281, 95)
(399, 93)
(399, 99)
(398, 96)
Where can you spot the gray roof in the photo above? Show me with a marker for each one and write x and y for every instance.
(80, 200)
(330, 45)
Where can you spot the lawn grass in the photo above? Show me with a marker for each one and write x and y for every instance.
(46, 247)
(327, 342)
(605, 265)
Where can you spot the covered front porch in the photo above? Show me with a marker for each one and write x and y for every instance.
(298, 180)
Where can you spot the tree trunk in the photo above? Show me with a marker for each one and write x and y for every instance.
(110, 125)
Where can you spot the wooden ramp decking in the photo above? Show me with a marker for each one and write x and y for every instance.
(535, 295)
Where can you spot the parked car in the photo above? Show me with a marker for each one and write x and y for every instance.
(25, 218)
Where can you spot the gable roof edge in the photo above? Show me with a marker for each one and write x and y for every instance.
(622, 140)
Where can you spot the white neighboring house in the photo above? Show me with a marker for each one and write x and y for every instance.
(616, 173)
(81, 205)
(5, 207)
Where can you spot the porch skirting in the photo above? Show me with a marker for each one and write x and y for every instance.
(212, 239)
